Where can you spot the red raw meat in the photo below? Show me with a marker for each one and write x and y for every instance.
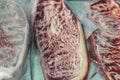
(58, 39)
(105, 41)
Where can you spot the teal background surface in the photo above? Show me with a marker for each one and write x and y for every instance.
(32, 69)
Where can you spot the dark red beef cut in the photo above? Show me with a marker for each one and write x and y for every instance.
(60, 42)
(105, 41)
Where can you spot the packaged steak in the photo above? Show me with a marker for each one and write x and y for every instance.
(105, 40)
(14, 33)
(60, 41)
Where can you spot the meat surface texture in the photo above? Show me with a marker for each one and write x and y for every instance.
(105, 41)
(13, 39)
(58, 40)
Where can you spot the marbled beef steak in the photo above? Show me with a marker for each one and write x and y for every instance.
(60, 42)
(13, 40)
(105, 41)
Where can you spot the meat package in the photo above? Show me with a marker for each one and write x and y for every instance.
(105, 41)
(13, 40)
(60, 42)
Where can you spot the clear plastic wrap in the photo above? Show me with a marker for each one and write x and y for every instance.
(100, 20)
(60, 41)
(105, 41)
(14, 38)
(55, 23)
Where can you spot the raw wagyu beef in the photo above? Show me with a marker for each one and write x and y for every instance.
(60, 41)
(105, 41)
(13, 40)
